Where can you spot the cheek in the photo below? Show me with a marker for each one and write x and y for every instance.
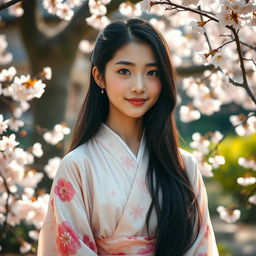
(115, 85)
(155, 88)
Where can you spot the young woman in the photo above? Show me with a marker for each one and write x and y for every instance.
(125, 187)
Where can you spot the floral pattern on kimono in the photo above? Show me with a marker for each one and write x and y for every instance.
(99, 201)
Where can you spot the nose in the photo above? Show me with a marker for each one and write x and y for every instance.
(138, 85)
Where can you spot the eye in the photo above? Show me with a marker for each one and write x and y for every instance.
(153, 72)
(123, 71)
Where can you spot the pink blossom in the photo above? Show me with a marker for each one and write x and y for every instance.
(67, 240)
(136, 211)
(207, 231)
(127, 162)
(90, 244)
(64, 190)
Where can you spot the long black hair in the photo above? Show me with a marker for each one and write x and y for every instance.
(173, 199)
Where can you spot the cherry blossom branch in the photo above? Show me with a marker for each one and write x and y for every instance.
(8, 4)
(7, 201)
(250, 60)
(227, 132)
(245, 83)
(175, 6)
(248, 45)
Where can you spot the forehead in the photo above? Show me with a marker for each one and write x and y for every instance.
(138, 53)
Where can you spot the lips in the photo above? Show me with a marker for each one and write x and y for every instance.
(136, 101)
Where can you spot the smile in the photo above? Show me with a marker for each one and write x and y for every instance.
(136, 101)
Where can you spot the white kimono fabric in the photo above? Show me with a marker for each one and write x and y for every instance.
(99, 201)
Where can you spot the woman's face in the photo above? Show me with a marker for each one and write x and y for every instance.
(131, 81)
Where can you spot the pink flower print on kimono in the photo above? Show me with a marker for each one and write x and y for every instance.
(67, 240)
(136, 211)
(127, 162)
(91, 245)
(202, 254)
(64, 190)
(207, 231)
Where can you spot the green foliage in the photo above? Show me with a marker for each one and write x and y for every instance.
(232, 148)
(223, 250)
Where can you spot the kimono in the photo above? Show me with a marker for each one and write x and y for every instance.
(99, 201)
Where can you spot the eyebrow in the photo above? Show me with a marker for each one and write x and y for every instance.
(124, 62)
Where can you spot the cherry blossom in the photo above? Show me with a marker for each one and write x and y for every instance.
(220, 59)
(195, 27)
(97, 8)
(23, 107)
(145, 6)
(200, 143)
(97, 22)
(85, 46)
(3, 124)
(67, 240)
(190, 2)
(130, 10)
(33, 234)
(14, 124)
(64, 11)
(57, 134)
(188, 114)
(8, 142)
(52, 166)
(37, 149)
(228, 215)
(216, 161)
(64, 190)
(26, 247)
(246, 181)
(47, 73)
(247, 163)
(51, 5)
(252, 199)
(31, 179)
(243, 128)
(25, 88)
(7, 75)
(5, 57)
(205, 169)
(216, 137)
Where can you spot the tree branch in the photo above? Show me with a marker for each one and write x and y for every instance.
(8, 4)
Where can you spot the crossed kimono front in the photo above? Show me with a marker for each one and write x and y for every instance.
(99, 201)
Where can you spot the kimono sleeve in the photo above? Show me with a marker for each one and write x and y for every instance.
(205, 244)
(66, 229)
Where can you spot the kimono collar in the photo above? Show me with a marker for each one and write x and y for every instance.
(117, 146)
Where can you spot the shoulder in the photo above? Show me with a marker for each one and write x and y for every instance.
(191, 165)
(75, 162)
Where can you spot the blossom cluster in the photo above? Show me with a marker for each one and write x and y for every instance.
(20, 200)
(203, 146)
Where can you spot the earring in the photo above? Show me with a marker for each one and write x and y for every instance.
(102, 91)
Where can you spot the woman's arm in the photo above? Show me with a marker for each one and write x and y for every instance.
(66, 229)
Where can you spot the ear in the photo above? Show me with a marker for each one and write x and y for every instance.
(98, 77)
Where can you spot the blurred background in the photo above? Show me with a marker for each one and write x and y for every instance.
(36, 42)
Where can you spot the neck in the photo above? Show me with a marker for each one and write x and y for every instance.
(129, 129)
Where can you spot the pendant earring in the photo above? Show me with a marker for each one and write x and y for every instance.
(102, 91)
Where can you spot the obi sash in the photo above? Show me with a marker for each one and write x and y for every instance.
(132, 246)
